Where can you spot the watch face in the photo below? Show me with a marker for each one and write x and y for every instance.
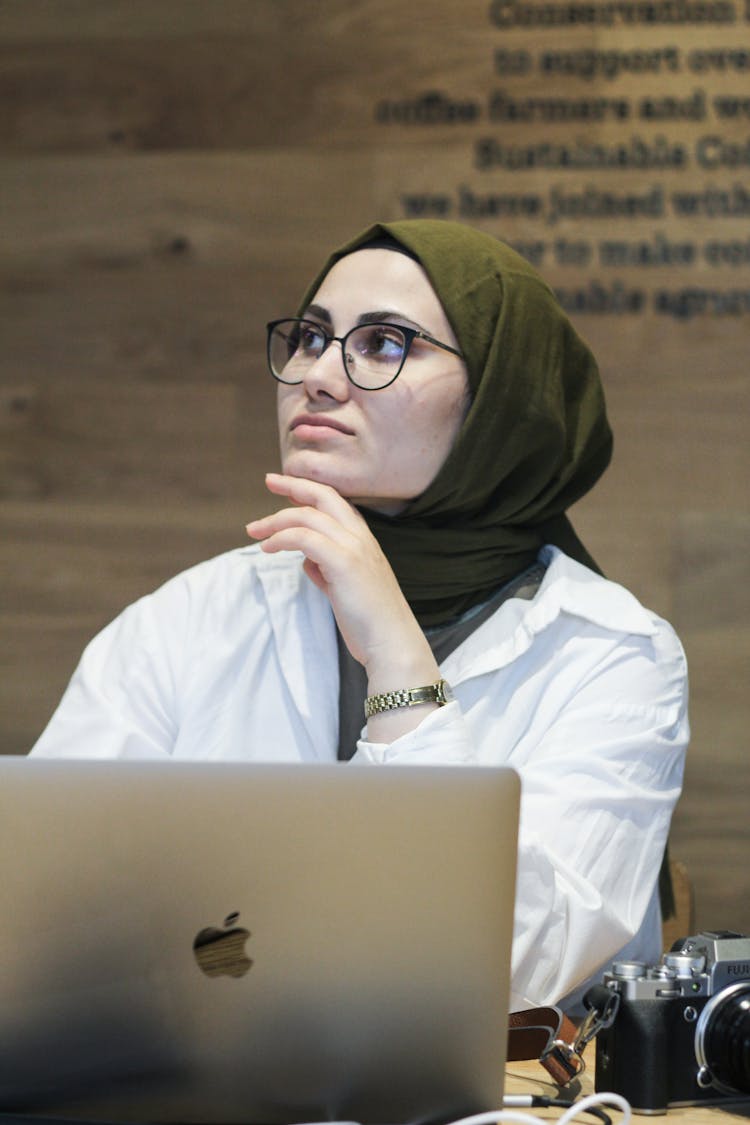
(445, 692)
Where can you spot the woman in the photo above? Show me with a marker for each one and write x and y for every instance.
(437, 415)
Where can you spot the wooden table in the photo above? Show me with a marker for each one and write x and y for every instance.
(529, 1078)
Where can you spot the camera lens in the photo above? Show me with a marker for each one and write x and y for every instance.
(722, 1039)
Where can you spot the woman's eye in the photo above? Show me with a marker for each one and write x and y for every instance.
(381, 342)
(310, 339)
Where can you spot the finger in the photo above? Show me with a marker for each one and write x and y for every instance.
(302, 491)
(304, 517)
(332, 559)
(312, 570)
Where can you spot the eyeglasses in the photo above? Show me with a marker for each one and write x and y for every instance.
(373, 354)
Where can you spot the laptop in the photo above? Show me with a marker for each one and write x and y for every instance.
(251, 943)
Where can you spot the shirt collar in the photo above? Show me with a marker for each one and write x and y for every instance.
(568, 588)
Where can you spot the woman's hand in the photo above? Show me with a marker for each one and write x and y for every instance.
(345, 561)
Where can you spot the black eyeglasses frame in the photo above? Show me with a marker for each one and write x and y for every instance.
(410, 335)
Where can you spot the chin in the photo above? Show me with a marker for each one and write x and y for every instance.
(311, 469)
(301, 464)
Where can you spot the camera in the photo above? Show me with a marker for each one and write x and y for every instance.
(680, 1031)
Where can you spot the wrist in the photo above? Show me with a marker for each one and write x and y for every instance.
(438, 693)
(399, 664)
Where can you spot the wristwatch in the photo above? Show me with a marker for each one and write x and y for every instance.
(439, 693)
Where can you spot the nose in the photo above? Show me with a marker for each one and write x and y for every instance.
(326, 376)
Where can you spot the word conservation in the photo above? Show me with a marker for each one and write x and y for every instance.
(611, 13)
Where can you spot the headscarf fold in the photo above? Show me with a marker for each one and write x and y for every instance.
(535, 438)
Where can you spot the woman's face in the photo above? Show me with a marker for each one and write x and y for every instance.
(377, 448)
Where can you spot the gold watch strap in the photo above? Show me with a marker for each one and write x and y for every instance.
(439, 693)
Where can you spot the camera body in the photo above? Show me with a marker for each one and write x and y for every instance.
(681, 1029)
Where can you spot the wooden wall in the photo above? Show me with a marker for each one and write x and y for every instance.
(171, 172)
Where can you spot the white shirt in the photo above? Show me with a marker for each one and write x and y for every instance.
(581, 690)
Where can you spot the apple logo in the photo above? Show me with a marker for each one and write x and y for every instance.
(221, 952)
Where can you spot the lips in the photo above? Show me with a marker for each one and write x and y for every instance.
(322, 421)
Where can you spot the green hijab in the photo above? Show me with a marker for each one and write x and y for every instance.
(535, 438)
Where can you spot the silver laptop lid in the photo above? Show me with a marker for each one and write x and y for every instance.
(202, 942)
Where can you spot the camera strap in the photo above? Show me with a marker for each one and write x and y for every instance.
(550, 1036)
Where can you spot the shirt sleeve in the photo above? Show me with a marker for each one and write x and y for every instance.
(442, 738)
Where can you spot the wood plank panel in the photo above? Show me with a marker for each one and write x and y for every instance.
(153, 322)
(103, 440)
(682, 448)
(263, 212)
(53, 20)
(713, 578)
(95, 20)
(274, 71)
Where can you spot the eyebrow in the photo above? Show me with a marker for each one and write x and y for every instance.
(375, 317)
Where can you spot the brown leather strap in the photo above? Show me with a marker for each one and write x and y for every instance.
(548, 1035)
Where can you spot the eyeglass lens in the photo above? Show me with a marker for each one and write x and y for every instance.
(373, 354)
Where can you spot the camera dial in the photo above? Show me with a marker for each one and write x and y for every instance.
(685, 964)
(629, 970)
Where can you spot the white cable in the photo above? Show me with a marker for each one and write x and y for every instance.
(597, 1100)
(494, 1117)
